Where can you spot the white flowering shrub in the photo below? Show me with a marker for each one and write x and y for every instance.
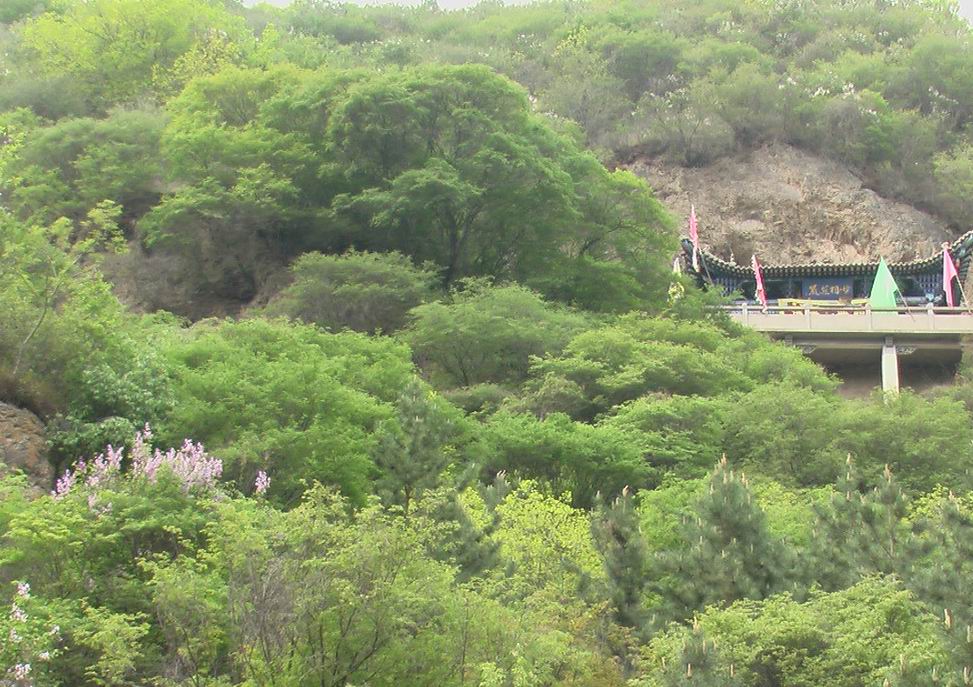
(28, 641)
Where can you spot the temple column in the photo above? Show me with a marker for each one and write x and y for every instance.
(890, 366)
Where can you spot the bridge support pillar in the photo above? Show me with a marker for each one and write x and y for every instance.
(890, 366)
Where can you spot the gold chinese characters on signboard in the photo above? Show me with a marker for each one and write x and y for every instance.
(830, 289)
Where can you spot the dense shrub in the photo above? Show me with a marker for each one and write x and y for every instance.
(286, 398)
(366, 292)
(487, 334)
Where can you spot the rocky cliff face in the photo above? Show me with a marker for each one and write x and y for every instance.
(23, 445)
(790, 206)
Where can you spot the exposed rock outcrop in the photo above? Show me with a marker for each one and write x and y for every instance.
(23, 445)
(791, 206)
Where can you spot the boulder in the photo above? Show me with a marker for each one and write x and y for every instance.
(23, 445)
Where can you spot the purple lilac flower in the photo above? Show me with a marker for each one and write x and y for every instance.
(105, 466)
(190, 464)
(64, 484)
(23, 590)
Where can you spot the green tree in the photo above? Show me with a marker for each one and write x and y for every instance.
(587, 92)
(18, 9)
(546, 543)
(60, 314)
(786, 432)
(681, 435)
(685, 124)
(423, 145)
(646, 60)
(61, 262)
(697, 664)
(190, 603)
(570, 457)
(636, 356)
(729, 553)
(68, 168)
(871, 633)
(487, 333)
(954, 176)
(355, 598)
(114, 47)
(924, 441)
(99, 598)
(269, 163)
(235, 228)
(289, 399)
(366, 292)
(236, 211)
(860, 532)
(413, 450)
(617, 533)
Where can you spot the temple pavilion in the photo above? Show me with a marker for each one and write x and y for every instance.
(823, 310)
(920, 281)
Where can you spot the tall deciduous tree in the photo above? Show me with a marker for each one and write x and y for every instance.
(443, 164)
(454, 168)
(66, 169)
(49, 284)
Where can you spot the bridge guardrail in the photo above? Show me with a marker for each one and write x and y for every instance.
(853, 318)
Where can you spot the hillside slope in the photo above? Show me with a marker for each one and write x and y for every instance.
(788, 205)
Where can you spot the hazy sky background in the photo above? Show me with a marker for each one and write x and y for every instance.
(966, 6)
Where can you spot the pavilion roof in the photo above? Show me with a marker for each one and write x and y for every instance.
(961, 249)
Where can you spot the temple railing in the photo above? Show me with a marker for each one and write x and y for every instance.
(852, 319)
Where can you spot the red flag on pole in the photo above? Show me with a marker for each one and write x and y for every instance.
(759, 276)
(694, 236)
(949, 274)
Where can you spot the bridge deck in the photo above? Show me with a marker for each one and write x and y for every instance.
(840, 334)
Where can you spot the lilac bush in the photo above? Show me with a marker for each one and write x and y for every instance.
(190, 465)
(261, 484)
(27, 644)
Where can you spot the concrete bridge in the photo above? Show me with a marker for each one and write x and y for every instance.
(851, 338)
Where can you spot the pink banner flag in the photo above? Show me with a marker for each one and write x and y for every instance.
(949, 274)
(694, 236)
(759, 276)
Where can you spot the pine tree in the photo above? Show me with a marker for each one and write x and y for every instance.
(413, 453)
(624, 554)
(698, 665)
(455, 539)
(494, 494)
(908, 675)
(730, 554)
(867, 531)
(860, 532)
(412, 449)
(943, 579)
